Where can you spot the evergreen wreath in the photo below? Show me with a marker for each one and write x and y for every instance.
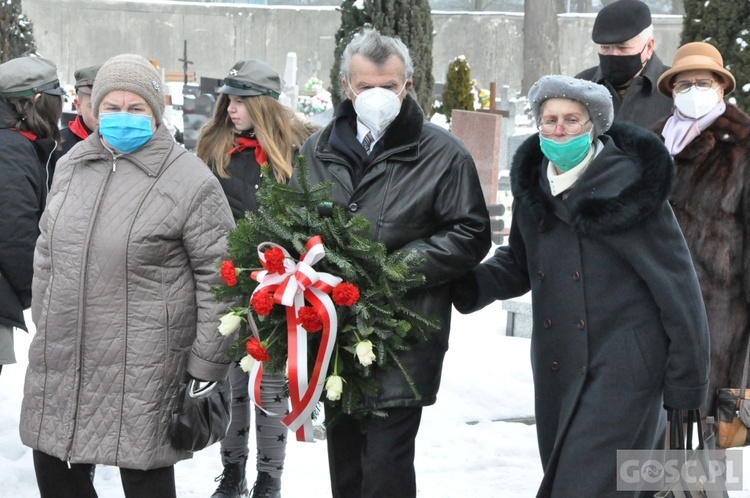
(375, 322)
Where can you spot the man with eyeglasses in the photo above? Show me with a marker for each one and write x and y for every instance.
(628, 65)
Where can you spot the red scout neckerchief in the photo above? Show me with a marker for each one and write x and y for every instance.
(78, 129)
(247, 143)
(31, 136)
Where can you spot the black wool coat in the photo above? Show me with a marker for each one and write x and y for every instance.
(420, 191)
(22, 196)
(711, 199)
(619, 327)
(643, 104)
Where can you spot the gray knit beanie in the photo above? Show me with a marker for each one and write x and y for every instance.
(131, 73)
(594, 97)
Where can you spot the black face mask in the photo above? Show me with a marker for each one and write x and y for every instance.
(619, 69)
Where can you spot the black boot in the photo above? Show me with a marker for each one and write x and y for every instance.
(232, 482)
(266, 486)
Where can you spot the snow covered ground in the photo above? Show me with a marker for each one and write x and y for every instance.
(464, 449)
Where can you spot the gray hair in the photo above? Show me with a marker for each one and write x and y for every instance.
(377, 49)
(647, 33)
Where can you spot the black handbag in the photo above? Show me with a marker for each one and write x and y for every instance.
(695, 459)
(202, 415)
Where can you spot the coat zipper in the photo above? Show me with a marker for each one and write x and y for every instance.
(81, 317)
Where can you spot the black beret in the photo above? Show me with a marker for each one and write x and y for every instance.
(620, 21)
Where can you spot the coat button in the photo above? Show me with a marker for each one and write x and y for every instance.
(581, 324)
(540, 276)
(353, 207)
(547, 323)
(554, 366)
(576, 276)
(583, 369)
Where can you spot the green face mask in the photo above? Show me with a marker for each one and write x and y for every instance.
(566, 155)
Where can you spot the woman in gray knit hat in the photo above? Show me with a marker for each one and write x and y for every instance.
(122, 298)
(619, 326)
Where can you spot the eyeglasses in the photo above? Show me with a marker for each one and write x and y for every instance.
(570, 127)
(702, 85)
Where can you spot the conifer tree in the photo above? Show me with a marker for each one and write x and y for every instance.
(411, 21)
(353, 19)
(457, 91)
(724, 24)
(16, 31)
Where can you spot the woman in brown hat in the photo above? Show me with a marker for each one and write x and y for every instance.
(250, 128)
(710, 142)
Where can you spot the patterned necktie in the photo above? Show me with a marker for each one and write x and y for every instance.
(366, 142)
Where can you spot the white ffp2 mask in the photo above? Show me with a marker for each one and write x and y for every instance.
(696, 103)
(377, 107)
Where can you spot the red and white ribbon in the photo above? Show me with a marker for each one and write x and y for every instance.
(299, 283)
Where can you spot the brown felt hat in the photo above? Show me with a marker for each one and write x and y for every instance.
(696, 55)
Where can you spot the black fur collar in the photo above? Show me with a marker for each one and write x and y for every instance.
(627, 182)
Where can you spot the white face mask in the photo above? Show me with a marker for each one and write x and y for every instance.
(696, 103)
(377, 107)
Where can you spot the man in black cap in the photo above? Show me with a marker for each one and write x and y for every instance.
(628, 65)
(85, 122)
(30, 107)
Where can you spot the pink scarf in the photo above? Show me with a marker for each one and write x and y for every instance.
(680, 130)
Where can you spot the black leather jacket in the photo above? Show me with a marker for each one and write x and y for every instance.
(420, 191)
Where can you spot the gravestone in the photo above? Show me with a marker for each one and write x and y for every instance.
(481, 133)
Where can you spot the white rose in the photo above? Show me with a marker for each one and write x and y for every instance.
(334, 387)
(246, 363)
(364, 353)
(229, 324)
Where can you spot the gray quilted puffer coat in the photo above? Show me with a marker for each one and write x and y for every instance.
(122, 302)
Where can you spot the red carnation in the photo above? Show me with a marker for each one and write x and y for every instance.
(256, 350)
(274, 260)
(262, 303)
(229, 272)
(345, 294)
(310, 319)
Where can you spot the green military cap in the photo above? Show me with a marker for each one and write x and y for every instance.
(26, 76)
(85, 78)
(252, 77)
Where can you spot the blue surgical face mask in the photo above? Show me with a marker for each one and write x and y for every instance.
(125, 131)
(566, 155)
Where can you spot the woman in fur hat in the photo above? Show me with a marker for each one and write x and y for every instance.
(251, 129)
(710, 142)
(619, 329)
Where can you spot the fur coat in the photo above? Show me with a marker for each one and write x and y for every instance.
(711, 199)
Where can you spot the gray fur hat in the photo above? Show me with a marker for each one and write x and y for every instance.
(131, 73)
(594, 97)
